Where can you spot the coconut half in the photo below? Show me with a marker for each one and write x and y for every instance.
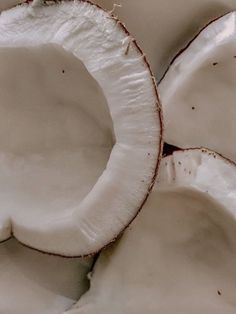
(198, 92)
(80, 129)
(36, 283)
(179, 254)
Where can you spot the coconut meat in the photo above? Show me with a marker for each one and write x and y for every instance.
(54, 144)
(79, 114)
(198, 93)
(179, 255)
(32, 282)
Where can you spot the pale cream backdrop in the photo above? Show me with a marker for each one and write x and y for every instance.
(5, 4)
(163, 27)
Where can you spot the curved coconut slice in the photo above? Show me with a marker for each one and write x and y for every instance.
(77, 159)
(179, 255)
(32, 282)
(198, 93)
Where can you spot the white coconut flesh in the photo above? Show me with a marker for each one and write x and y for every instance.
(80, 134)
(32, 282)
(179, 255)
(198, 92)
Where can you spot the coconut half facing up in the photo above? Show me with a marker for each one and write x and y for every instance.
(80, 127)
(198, 91)
(36, 283)
(179, 255)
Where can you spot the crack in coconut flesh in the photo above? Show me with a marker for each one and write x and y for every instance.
(80, 133)
(198, 91)
(36, 283)
(179, 254)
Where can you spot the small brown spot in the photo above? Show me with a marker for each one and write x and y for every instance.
(214, 63)
(142, 181)
(149, 154)
(219, 292)
(179, 162)
(63, 71)
(235, 57)
(190, 172)
(193, 108)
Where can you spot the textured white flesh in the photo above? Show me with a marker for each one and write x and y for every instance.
(36, 283)
(198, 92)
(57, 197)
(164, 27)
(179, 255)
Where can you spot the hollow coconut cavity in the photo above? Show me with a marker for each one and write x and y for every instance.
(198, 93)
(179, 254)
(80, 131)
(32, 282)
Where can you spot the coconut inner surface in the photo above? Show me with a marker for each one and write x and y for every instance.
(32, 282)
(178, 256)
(206, 104)
(55, 131)
(198, 91)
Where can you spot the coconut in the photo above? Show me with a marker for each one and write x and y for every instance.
(164, 27)
(198, 93)
(80, 131)
(179, 255)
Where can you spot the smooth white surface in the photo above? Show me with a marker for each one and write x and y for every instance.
(36, 283)
(163, 27)
(90, 222)
(179, 255)
(198, 92)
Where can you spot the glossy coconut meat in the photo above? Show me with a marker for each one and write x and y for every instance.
(179, 255)
(65, 149)
(198, 93)
(32, 282)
